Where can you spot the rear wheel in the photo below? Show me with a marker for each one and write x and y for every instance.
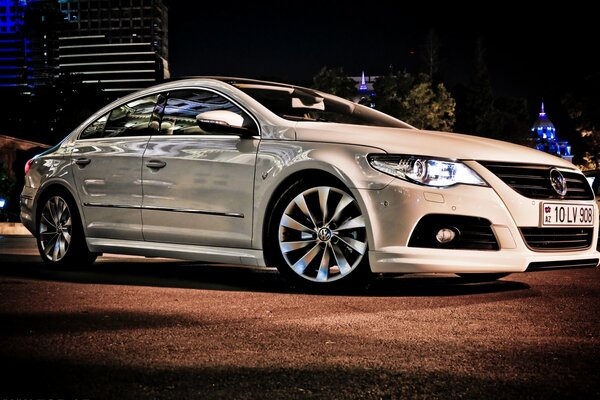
(60, 237)
(317, 237)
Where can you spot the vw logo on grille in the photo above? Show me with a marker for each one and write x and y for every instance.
(558, 181)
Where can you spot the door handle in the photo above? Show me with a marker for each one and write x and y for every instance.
(82, 161)
(156, 164)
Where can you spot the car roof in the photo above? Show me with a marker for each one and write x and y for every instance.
(233, 80)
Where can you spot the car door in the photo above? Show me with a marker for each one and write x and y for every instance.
(198, 185)
(107, 167)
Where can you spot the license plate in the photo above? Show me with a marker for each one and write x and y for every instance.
(560, 214)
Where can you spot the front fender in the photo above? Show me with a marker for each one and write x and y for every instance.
(279, 162)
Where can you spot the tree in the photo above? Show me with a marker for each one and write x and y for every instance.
(481, 113)
(6, 182)
(509, 120)
(582, 104)
(334, 81)
(430, 56)
(390, 89)
(416, 101)
(427, 106)
(475, 109)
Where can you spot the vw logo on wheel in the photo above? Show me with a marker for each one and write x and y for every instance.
(324, 234)
(558, 181)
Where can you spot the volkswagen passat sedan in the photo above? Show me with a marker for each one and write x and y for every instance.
(241, 171)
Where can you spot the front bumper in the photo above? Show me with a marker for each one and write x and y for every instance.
(395, 211)
(409, 260)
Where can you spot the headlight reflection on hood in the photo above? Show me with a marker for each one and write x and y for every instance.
(425, 171)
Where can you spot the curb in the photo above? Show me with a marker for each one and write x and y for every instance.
(13, 228)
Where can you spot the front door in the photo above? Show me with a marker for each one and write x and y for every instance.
(198, 186)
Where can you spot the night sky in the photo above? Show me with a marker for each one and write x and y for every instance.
(537, 55)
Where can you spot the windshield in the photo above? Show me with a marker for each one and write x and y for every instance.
(301, 104)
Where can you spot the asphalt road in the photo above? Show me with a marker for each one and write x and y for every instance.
(143, 328)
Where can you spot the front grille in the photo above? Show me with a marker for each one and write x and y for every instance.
(547, 265)
(541, 239)
(472, 233)
(533, 181)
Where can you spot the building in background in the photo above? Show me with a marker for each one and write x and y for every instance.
(43, 23)
(112, 67)
(29, 31)
(12, 47)
(365, 94)
(544, 134)
(116, 45)
(119, 45)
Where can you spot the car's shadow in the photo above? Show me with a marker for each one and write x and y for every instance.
(196, 275)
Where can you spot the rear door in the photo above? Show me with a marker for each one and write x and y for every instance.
(198, 186)
(107, 166)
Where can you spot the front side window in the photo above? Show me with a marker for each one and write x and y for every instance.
(183, 106)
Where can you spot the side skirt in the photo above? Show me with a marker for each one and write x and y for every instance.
(227, 255)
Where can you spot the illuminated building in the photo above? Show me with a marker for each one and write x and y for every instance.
(12, 49)
(544, 135)
(29, 32)
(365, 94)
(43, 23)
(118, 45)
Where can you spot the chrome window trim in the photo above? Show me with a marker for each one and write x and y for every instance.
(166, 92)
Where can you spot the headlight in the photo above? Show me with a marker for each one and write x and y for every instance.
(425, 171)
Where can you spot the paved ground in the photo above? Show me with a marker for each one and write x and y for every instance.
(137, 328)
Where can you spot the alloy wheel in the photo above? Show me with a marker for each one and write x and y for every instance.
(55, 228)
(322, 234)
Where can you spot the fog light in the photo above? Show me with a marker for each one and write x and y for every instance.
(445, 235)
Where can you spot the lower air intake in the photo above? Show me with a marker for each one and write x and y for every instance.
(549, 265)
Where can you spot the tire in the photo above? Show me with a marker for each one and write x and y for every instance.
(316, 237)
(477, 278)
(60, 237)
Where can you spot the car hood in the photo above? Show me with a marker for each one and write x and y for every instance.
(425, 143)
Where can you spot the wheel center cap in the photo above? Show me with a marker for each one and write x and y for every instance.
(324, 234)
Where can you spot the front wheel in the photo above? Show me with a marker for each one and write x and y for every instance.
(60, 237)
(317, 237)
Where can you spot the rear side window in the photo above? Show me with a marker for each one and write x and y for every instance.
(95, 129)
(136, 118)
(182, 107)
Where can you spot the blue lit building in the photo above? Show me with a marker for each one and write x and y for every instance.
(29, 32)
(543, 133)
(365, 94)
(12, 46)
(11, 15)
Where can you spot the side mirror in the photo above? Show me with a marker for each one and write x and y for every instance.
(222, 121)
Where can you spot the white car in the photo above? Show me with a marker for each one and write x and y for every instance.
(328, 191)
